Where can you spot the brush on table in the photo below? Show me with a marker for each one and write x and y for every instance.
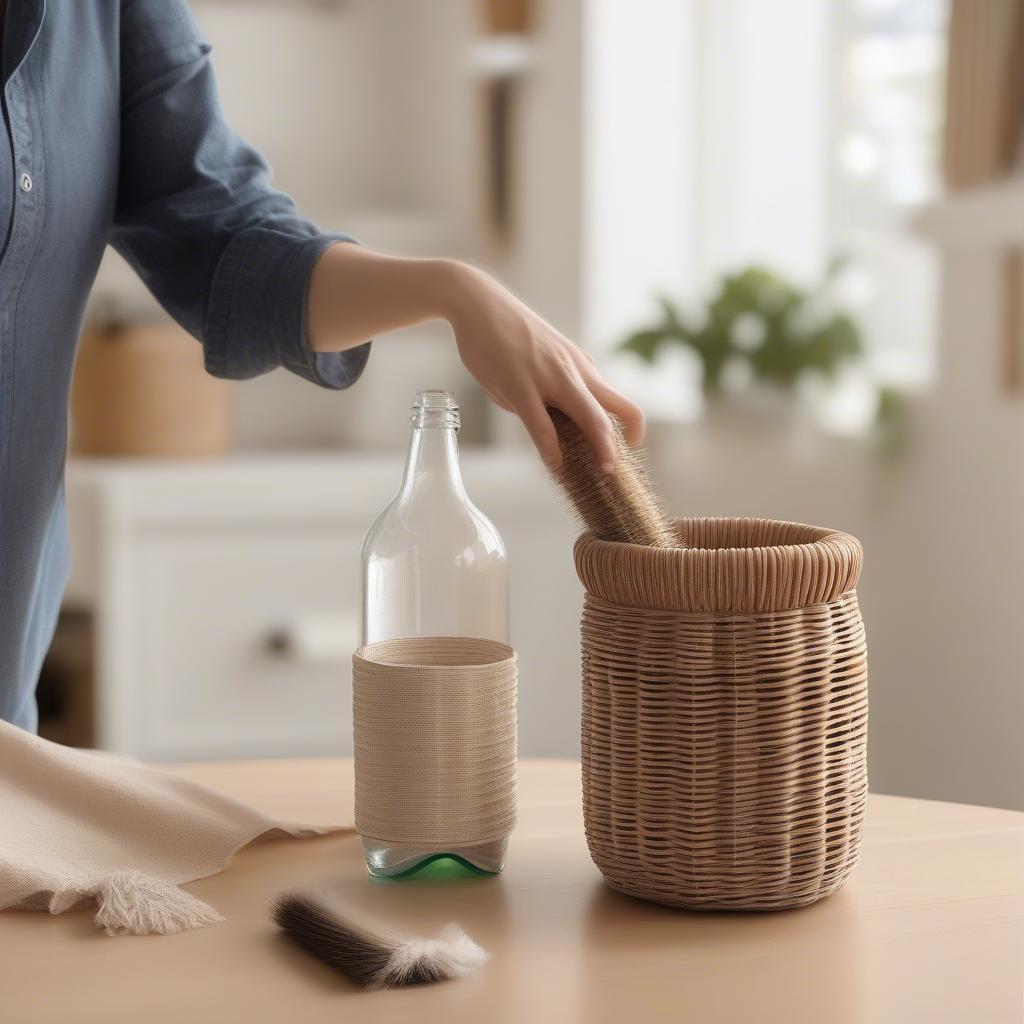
(617, 506)
(370, 954)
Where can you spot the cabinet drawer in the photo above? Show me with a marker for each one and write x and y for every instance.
(216, 639)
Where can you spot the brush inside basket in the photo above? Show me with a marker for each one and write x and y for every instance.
(617, 506)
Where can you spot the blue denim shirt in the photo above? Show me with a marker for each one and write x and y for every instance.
(115, 134)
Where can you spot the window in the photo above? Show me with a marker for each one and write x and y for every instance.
(721, 133)
(889, 60)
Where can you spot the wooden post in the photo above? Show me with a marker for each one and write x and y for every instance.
(984, 117)
(1012, 284)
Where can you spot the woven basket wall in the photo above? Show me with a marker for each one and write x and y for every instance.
(724, 714)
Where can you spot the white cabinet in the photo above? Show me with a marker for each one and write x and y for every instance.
(226, 598)
(212, 675)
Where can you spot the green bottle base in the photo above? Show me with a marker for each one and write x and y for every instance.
(403, 860)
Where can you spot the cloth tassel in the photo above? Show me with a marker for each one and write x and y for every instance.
(134, 903)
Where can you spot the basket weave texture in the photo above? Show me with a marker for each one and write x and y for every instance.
(724, 713)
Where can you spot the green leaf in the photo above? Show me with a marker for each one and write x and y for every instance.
(644, 344)
(787, 350)
(837, 264)
(893, 423)
(673, 320)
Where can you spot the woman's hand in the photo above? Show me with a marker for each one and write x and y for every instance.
(525, 365)
(521, 361)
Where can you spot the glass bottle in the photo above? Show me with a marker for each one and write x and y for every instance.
(433, 565)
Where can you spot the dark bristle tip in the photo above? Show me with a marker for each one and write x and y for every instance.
(367, 954)
(350, 950)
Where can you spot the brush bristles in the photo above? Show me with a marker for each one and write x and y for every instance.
(616, 506)
(372, 956)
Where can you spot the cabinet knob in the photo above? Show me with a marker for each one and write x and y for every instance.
(323, 639)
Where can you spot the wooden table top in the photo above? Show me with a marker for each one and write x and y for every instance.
(929, 928)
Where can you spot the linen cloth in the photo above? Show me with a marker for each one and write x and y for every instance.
(85, 825)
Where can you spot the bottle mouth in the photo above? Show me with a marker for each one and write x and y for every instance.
(435, 409)
(435, 400)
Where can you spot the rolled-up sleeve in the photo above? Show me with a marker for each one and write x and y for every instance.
(226, 254)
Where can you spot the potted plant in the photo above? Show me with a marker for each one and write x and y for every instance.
(762, 339)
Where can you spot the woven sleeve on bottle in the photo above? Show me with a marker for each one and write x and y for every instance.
(434, 723)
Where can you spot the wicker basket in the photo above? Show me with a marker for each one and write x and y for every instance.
(724, 714)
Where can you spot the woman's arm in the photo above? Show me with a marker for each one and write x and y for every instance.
(233, 262)
(225, 253)
(522, 362)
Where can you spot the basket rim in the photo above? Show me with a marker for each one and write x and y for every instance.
(815, 569)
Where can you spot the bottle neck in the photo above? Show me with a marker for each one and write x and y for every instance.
(433, 463)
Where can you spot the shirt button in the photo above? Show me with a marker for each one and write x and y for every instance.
(26, 183)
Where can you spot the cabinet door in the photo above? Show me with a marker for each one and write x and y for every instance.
(240, 643)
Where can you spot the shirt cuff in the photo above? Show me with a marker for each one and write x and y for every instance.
(256, 320)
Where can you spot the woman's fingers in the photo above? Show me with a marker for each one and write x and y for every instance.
(530, 409)
(629, 414)
(498, 400)
(583, 409)
(526, 366)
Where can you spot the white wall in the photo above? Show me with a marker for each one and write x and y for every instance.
(544, 255)
(639, 160)
(947, 647)
(764, 132)
(704, 149)
(293, 80)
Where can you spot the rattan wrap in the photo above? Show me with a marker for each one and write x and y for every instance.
(724, 714)
(434, 724)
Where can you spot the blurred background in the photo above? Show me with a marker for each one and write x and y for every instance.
(791, 230)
